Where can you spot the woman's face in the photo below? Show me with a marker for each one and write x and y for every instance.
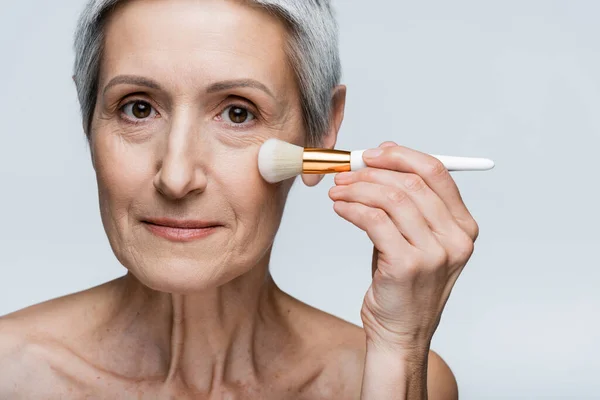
(188, 92)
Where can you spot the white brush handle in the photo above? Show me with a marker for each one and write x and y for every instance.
(356, 160)
(451, 163)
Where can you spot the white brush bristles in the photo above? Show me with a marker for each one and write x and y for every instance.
(279, 160)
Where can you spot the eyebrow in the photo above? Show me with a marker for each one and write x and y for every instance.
(132, 80)
(214, 88)
(239, 83)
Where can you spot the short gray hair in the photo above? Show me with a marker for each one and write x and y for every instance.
(312, 50)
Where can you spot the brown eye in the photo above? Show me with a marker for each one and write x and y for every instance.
(141, 109)
(138, 109)
(237, 115)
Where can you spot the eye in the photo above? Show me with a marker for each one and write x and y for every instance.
(237, 115)
(138, 110)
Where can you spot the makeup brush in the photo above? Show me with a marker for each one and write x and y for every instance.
(279, 160)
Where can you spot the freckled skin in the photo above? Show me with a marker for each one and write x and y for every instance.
(200, 319)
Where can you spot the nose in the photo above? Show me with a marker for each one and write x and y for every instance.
(180, 168)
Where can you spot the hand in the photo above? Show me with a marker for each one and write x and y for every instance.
(423, 235)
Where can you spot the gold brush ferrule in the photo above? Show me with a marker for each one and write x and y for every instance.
(325, 161)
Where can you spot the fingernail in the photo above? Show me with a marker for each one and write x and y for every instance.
(372, 153)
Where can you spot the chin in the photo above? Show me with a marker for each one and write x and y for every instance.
(192, 267)
(182, 275)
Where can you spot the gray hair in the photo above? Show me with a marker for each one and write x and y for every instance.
(312, 50)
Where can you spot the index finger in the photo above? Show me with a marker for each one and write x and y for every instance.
(433, 172)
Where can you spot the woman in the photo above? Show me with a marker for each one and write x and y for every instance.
(177, 97)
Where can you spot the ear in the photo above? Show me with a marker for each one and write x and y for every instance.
(83, 127)
(75, 82)
(92, 156)
(338, 104)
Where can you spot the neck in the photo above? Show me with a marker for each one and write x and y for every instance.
(209, 339)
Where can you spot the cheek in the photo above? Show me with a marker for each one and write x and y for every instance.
(254, 199)
(122, 170)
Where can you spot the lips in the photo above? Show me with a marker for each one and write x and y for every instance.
(181, 230)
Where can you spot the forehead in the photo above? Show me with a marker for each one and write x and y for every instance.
(194, 42)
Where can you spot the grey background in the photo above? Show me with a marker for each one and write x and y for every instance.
(516, 81)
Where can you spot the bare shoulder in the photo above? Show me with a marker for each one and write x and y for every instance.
(20, 361)
(33, 344)
(60, 319)
(441, 383)
(11, 345)
(342, 347)
(32, 362)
